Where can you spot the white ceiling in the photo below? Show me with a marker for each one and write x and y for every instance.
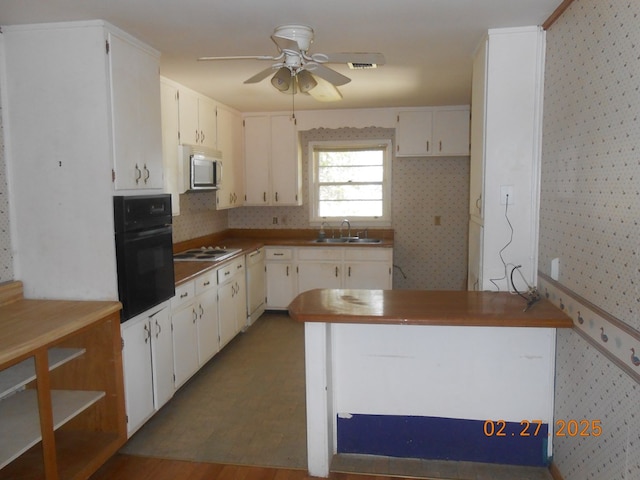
(428, 44)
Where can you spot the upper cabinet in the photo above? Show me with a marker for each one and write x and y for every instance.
(198, 124)
(272, 161)
(433, 132)
(191, 118)
(231, 192)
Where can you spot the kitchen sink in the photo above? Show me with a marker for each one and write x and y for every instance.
(347, 240)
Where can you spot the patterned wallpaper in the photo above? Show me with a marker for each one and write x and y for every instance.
(6, 258)
(590, 199)
(430, 256)
(198, 217)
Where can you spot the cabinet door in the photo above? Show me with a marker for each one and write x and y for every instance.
(451, 132)
(207, 123)
(240, 302)
(138, 383)
(319, 275)
(374, 275)
(257, 147)
(185, 344)
(285, 162)
(414, 134)
(162, 357)
(227, 312)
(231, 192)
(172, 168)
(188, 114)
(207, 310)
(137, 132)
(281, 287)
(255, 281)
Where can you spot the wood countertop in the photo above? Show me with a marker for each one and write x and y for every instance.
(417, 307)
(27, 325)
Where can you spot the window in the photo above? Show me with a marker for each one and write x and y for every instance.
(351, 180)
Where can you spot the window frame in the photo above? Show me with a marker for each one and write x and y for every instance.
(361, 221)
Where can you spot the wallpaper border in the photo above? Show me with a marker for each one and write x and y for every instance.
(608, 334)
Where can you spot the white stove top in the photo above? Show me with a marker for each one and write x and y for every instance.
(205, 254)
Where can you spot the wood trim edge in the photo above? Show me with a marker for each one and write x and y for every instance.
(556, 14)
(555, 472)
(10, 292)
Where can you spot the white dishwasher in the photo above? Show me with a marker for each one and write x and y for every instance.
(255, 285)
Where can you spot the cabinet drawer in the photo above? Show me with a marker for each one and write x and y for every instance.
(228, 271)
(205, 282)
(279, 253)
(372, 254)
(184, 294)
(255, 257)
(314, 253)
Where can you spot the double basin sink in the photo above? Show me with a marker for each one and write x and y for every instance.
(347, 240)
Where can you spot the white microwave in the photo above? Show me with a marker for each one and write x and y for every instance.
(201, 168)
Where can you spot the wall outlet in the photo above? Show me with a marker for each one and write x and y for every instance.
(506, 193)
(274, 221)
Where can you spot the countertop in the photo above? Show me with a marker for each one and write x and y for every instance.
(27, 325)
(418, 307)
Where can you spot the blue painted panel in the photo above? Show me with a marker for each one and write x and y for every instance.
(442, 439)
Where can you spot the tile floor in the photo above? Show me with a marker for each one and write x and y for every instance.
(247, 406)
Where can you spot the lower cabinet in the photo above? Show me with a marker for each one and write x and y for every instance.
(232, 300)
(293, 270)
(185, 333)
(147, 357)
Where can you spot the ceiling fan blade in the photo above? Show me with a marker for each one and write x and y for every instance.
(238, 57)
(357, 58)
(325, 91)
(260, 76)
(328, 74)
(285, 43)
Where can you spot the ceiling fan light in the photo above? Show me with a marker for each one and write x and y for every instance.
(282, 79)
(306, 81)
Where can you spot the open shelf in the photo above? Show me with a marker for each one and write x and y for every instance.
(17, 376)
(20, 422)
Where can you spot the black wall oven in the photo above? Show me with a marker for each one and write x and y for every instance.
(144, 252)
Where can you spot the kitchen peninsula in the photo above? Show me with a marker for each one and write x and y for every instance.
(452, 375)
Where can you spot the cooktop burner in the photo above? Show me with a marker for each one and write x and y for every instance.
(206, 254)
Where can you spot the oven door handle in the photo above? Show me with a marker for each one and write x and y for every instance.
(148, 233)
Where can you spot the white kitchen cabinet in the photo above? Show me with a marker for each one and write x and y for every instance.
(172, 167)
(184, 326)
(231, 192)
(319, 268)
(148, 364)
(272, 161)
(197, 114)
(255, 262)
(59, 83)
(368, 268)
(135, 98)
(206, 306)
(280, 277)
(232, 300)
(506, 136)
(433, 132)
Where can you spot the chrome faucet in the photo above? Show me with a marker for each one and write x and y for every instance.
(348, 227)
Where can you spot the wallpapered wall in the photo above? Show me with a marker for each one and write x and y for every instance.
(430, 256)
(590, 204)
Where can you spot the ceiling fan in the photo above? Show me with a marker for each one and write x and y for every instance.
(297, 69)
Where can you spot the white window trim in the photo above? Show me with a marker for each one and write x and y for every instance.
(385, 220)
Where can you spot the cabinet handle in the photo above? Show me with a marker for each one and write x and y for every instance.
(185, 294)
(228, 272)
(287, 270)
(201, 310)
(427, 145)
(197, 137)
(278, 254)
(239, 266)
(264, 197)
(276, 196)
(195, 315)
(158, 329)
(138, 174)
(201, 136)
(147, 331)
(147, 172)
(336, 271)
(349, 273)
(206, 284)
(440, 145)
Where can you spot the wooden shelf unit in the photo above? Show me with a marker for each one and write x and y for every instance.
(62, 411)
